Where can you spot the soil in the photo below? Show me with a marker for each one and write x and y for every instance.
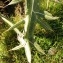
(14, 10)
(9, 10)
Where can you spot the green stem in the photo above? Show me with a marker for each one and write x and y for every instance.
(29, 22)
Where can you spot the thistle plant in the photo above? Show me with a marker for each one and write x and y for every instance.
(32, 16)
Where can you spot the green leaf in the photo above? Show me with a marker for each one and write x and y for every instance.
(11, 24)
(47, 13)
(28, 52)
(44, 24)
(51, 17)
(25, 44)
(15, 25)
(16, 48)
(14, 2)
(37, 46)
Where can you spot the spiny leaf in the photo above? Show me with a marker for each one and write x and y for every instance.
(13, 2)
(25, 44)
(11, 24)
(49, 16)
(28, 52)
(38, 48)
(26, 23)
(22, 41)
(47, 13)
(15, 25)
(44, 24)
(16, 48)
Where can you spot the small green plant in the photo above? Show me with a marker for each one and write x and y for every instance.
(32, 17)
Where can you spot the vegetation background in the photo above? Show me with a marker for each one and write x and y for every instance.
(50, 42)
